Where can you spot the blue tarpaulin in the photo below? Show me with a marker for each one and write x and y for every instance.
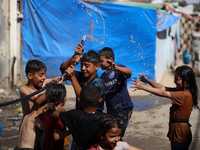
(165, 20)
(51, 29)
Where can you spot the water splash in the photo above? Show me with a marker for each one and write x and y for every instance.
(84, 4)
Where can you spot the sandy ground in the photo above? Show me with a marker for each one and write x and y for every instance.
(147, 129)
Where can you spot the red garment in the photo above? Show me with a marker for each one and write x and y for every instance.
(182, 104)
(50, 125)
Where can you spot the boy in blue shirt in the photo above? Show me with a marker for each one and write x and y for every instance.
(118, 101)
(90, 63)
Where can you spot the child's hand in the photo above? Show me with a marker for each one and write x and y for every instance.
(42, 109)
(70, 71)
(58, 79)
(143, 78)
(138, 84)
(79, 49)
(111, 65)
(76, 59)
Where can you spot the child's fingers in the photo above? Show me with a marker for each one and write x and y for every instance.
(134, 88)
(133, 83)
(134, 80)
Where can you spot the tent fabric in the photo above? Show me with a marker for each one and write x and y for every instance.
(165, 20)
(51, 29)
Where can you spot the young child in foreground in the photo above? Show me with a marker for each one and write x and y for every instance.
(35, 72)
(184, 98)
(90, 63)
(27, 134)
(118, 100)
(109, 135)
(55, 131)
(83, 123)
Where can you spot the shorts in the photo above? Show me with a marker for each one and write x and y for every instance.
(123, 117)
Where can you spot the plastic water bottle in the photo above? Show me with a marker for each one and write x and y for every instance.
(186, 57)
(1, 129)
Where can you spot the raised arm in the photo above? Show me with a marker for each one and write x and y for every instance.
(157, 91)
(57, 112)
(124, 70)
(71, 76)
(78, 51)
(38, 122)
(144, 79)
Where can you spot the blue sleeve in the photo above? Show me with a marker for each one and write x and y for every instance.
(125, 76)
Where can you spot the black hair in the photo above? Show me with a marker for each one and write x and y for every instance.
(90, 95)
(34, 65)
(55, 94)
(189, 82)
(91, 56)
(107, 53)
(106, 123)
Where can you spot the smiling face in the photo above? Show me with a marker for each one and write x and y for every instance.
(37, 78)
(178, 82)
(89, 70)
(111, 137)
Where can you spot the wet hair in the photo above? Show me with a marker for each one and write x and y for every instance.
(91, 56)
(107, 53)
(189, 82)
(106, 123)
(34, 65)
(55, 94)
(90, 95)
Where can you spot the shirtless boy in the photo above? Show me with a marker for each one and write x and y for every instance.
(27, 135)
(35, 72)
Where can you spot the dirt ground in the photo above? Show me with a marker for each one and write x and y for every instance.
(147, 129)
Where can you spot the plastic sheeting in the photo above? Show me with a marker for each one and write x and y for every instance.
(165, 20)
(51, 29)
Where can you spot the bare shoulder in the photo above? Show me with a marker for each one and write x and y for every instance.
(23, 89)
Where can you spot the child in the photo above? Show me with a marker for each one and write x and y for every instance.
(83, 123)
(55, 131)
(118, 101)
(35, 72)
(27, 133)
(109, 135)
(183, 97)
(90, 63)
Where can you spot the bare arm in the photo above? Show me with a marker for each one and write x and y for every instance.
(24, 91)
(129, 147)
(71, 74)
(57, 112)
(157, 91)
(78, 51)
(150, 82)
(188, 43)
(38, 122)
(61, 134)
